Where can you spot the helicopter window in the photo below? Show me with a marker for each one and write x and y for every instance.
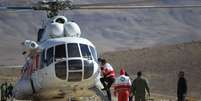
(75, 64)
(60, 70)
(60, 20)
(94, 54)
(42, 63)
(88, 69)
(60, 51)
(75, 76)
(73, 50)
(49, 56)
(85, 51)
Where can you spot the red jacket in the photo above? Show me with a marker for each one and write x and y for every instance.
(107, 70)
(122, 83)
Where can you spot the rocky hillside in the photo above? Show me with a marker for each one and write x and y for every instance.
(160, 65)
(109, 30)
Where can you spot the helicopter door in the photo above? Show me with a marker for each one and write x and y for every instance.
(46, 62)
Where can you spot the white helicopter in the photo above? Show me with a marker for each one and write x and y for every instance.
(61, 64)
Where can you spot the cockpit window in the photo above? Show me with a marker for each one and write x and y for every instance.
(49, 56)
(60, 51)
(85, 51)
(42, 58)
(75, 64)
(94, 54)
(88, 68)
(60, 20)
(60, 70)
(74, 76)
(73, 50)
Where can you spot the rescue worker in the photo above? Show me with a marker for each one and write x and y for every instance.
(139, 86)
(108, 78)
(122, 86)
(130, 96)
(181, 87)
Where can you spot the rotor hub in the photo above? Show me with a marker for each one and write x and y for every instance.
(53, 8)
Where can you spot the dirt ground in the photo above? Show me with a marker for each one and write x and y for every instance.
(10, 75)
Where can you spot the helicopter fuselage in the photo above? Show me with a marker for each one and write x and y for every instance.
(60, 67)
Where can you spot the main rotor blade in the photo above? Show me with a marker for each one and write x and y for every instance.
(135, 7)
(116, 3)
(16, 8)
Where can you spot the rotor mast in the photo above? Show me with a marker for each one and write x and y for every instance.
(52, 8)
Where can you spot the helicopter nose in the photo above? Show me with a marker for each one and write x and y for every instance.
(74, 70)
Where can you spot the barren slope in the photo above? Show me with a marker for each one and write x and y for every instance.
(109, 30)
(161, 65)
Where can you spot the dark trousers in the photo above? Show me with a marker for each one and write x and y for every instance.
(107, 83)
(140, 98)
(181, 97)
(130, 98)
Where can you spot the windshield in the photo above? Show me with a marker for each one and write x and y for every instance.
(94, 54)
(85, 51)
(60, 51)
(49, 55)
(60, 70)
(75, 64)
(73, 50)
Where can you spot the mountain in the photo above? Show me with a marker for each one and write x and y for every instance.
(161, 65)
(109, 30)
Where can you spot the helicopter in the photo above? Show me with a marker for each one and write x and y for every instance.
(62, 64)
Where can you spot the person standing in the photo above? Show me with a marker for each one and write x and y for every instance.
(122, 86)
(10, 89)
(130, 96)
(181, 87)
(6, 91)
(108, 78)
(139, 86)
(3, 92)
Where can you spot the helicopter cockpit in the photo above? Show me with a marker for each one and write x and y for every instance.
(73, 61)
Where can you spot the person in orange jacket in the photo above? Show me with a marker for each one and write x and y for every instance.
(122, 86)
(108, 78)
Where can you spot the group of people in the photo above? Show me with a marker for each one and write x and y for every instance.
(6, 91)
(125, 89)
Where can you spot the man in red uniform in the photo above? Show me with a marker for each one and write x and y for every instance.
(122, 86)
(108, 78)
